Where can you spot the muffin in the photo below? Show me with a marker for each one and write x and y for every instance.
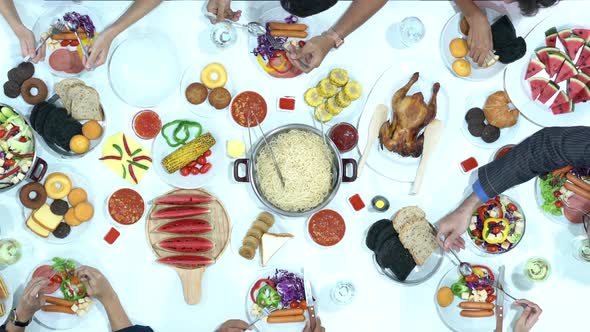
(219, 98)
(196, 93)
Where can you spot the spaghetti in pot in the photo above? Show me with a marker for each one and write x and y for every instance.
(306, 166)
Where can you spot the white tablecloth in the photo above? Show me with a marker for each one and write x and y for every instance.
(152, 293)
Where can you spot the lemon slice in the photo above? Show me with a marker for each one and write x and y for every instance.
(353, 90)
(342, 100)
(312, 97)
(332, 106)
(322, 114)
(326, 89)
(339, 77)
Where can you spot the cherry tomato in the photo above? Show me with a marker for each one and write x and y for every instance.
(471, 278)
(22, 139)
(303, 304)
(490, 291)
(206, 168)
(195, 171)
(478, 287)
(477, 233)
(497, 198)
(301, 43)
(185, 171)
(201, 160)
(56, 279)
(492, 248)
(65, 43)
(478, 243)
(497, 229)
(491, 298)
(9, 162)
(556, 193)
(512, 207)
(294, 305)
(207, 153)
(74, 43)
(559, 204)
(2, 133)
(192, 164)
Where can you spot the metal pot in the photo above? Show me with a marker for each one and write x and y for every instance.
(339, 172)
(38, 167)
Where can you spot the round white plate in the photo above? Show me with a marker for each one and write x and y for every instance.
(44, 22)
(561, 220)
(161, 149)
(7, 302)
(451, 31)
(278, 14)
(506, 134)
(519, 90)
(389, 164)
(262, 326)
(238, 233)
(193, 75)
(78, 181)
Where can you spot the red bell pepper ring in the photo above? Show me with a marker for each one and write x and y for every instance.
(487, 269)
(11, 172)
(485, 208)
(258, 285)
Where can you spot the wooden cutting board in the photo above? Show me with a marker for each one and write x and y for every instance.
(218, 218)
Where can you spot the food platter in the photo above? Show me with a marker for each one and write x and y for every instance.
(192, 74)
(519, 89)
(386, 163)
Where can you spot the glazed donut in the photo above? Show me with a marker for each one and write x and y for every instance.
(58, 185)
(28, 85)
(40, 195)
(214, 75)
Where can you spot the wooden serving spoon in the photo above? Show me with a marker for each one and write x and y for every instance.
(378, 118)
(431, 137)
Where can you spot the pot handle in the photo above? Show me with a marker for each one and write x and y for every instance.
(345, 177)
(38, 170)
(237, 176)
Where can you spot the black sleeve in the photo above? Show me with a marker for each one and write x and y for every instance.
(3, 328)
(136, 328)
(545, 151)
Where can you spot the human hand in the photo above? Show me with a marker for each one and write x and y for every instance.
(221, 9)
(96, 284)
(28, 44)
(99, 49)
(451, 227)
(33, 299)
(529, 316)
(318, 326)
(479, 39)
(311, 55)
(234, 325)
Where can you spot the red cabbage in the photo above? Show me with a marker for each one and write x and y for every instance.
(581, 171)
(264, 47)
(82, 21)
(289, 286)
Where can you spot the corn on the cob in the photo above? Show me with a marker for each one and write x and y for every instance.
(188, 152)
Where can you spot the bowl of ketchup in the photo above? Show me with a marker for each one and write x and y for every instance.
(503, 150)
(345, 136)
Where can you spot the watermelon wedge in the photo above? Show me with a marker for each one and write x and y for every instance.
(535, 66)
(584, 33)
(537, 84)
(543, 53)
(583, 95)
(567, 71)
(572, 45)
(584, 56)
(584, 78)
(551, 37)
(554, 63)
(561, 98)
(563, 108)
(563, 34)
(586, 70)
(574, 86)
(549, 91)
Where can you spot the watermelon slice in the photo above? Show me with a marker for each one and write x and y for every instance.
(563, 108)
(574, 86)
(583, 95)
(554, 63)
(586, 70)
(567, 71)
(551, 37)
(584, 56)
(537, 84)
(572, 45)
(543, 53)
(549, 91)
(535, 66)
(561, 98)
(584, 33)
(563, 34)
(584, 78)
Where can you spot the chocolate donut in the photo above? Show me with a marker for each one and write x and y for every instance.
(59, 207)
(40, 195)
(28, 85)
(11, 89)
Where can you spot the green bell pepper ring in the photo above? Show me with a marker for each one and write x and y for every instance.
(268, 297)
(72, 292)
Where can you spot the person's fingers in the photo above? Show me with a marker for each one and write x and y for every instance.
(88, 63)
(533, 317)
(239, 324)
(439, 237)
(306, 328)
(460, 242)
(318, 324)
(101, 59)
(450, 240)
(220, 11)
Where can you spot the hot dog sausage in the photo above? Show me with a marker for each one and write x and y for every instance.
(58, 301)
(288, 33)
(287, 26)
(578, 182)
(285, 319)
(286, 312)
(477, 313)
(57, 308)
(577, 190)
(476, 305)
(69, 36)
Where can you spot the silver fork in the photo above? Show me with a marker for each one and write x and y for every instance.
(501, 288)
(585, 215)
(73, 27)
(267, 313)
(55, 28)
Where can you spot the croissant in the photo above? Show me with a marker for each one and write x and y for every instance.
(498, 112)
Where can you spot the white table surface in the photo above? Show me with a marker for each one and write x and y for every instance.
(152, 293)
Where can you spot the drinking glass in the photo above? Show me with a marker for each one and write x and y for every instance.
(10, 252)
(343, 292)
(412, 31)
(223, 34)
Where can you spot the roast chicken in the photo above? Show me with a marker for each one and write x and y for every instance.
(402, 134)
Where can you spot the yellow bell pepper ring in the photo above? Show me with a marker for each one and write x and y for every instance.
(263, 64)
(495, 230)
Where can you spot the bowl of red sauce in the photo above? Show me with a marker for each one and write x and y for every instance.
(126, 206)
(147, 124)
(248, 106)
(503, 150)
(345, 136)
(326, 227)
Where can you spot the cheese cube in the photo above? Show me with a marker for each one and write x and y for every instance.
(472, 227)
(491, 237)
(505, 245)
(9, 155)
(1, 162)
(25, 168)
(235, 148)
(74, 308)
(1, 170)
(493, 214)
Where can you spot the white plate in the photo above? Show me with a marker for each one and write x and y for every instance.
(519, 90)
(450, 315)
(278, 14)
(78, 181)
(384, 162)
(161, 149)
(262, 326)
(451, 31)
(506, 134)
(44, 22)
(193, 75)
(7, 302)
(419, 274)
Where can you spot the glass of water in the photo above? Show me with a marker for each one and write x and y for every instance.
(223, 34)
(412, 30)
(10, 252)
(343, 292)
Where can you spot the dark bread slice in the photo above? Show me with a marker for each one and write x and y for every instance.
(392, 255)
(40, 118)
(54, 124)
(70, 128)
(374, 231)
(385, 234)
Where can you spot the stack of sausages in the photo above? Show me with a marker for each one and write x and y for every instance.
(476, 309)
(286, 316)
(293, 30)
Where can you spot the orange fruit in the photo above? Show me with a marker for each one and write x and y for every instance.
(458, 47)
(462, 68)
(444, 297)
(79, 144)
(92, 129)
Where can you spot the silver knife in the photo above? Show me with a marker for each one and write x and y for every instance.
(310, 302)
(500, 300)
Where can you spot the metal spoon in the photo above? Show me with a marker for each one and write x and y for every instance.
(253, 28)
(464, 268)
(272, 154)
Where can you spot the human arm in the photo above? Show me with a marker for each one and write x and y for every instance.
(529, 316)
(24, 35)
(102, 43)
(32, 300)
(318, 326)
(479, 38)
(234, 325)
(222, 9)
(316, 49)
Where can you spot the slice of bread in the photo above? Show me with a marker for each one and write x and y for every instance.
(85, 103)
(406, 215)
(271, 243)
(62, 87)
(418, 237)
(3, 290)
(47, 219)
(36, 228)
